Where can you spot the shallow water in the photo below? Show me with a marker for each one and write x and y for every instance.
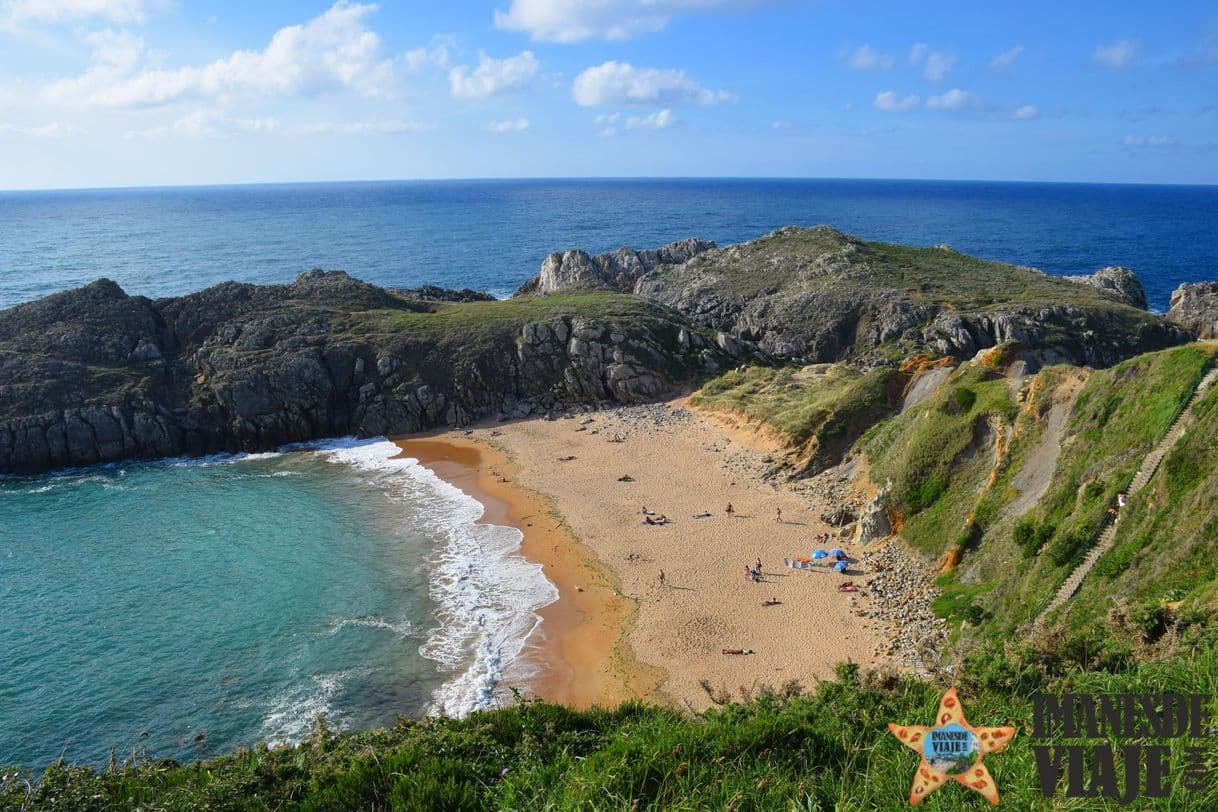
(189, 606)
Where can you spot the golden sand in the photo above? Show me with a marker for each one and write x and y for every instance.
(563, 484)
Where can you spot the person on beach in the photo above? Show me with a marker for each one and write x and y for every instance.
(728, 510)
(758, 566)
(778, 515)
(748, 573)
(661, 578)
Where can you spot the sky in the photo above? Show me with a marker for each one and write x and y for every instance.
(98, 93)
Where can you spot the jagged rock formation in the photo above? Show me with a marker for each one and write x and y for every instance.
(873, 521)
(93, 374)
(1195, 307)
(617, 270)
(1122, 283)
(819, 295)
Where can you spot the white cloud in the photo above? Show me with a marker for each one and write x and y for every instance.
(659, 120)
(52, 130)
(513, 125)
(17, 13)
(363, 128)
(608, 123)
(935, 64)
(781, 124)
(205, 124)
(889, 101)
(435, 54)
(1150, 141)
(621, 84)
(332, 52)
(1117, 55)
(1006, 58)
(494, 77)
(954, 99)
(579, 20)
(1025, 113)
(865, 58)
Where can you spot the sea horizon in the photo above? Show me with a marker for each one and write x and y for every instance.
(595, 179)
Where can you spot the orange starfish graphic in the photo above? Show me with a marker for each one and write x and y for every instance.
(952, 749)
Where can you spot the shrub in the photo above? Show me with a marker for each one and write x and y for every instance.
(925, 493)
(1070, 547)
(964, 398)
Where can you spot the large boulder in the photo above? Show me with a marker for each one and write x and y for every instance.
(1195, 307)
(614, 271)
(1122, 283)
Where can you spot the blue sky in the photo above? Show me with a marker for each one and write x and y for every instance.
(149, 92)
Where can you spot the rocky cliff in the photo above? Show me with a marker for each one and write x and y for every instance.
(819, 295)
(1122, 283)
(93, 374)
(1195, 307)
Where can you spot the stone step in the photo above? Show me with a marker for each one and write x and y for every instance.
(1146, 471)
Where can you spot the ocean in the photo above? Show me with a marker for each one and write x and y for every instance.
(185, 607)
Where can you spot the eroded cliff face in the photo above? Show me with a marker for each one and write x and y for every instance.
(818, 295)
(95, 375)
(1195, 307)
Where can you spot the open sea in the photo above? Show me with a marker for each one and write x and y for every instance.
(185, 607)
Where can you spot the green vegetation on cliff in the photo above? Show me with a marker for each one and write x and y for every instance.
(829, 749)
(817, 410)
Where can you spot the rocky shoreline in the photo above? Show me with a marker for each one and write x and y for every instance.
(95, 375)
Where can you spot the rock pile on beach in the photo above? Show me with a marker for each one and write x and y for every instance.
(897, 593)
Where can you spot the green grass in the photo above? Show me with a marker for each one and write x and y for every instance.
(933, 456)
(455, 317)
(818, 410)
(780, 750)
(805, 259)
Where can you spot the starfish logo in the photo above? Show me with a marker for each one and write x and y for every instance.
(952, 749)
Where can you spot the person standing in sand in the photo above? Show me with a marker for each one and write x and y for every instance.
(661, 578)
(778, 515)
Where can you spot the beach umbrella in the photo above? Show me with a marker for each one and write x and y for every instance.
(819, 554)
(836, 551)
(840, 566)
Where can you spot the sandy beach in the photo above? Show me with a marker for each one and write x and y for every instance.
(583, 481)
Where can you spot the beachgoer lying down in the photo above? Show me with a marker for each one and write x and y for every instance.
(771, 602)
(737, 651)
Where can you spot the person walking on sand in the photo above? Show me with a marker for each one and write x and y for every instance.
(758, 566)
(728, 510)
(661, 579)
(778, 515)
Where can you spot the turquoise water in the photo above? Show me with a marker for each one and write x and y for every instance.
(187, 607)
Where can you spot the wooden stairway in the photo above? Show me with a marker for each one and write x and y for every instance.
(1150, 464)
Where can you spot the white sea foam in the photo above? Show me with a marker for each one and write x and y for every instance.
(487, 594)
(293, 714)
(404, 628)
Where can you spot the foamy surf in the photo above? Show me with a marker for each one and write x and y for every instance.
(487, 594)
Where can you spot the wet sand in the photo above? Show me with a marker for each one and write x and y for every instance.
(580, 652)
(602, 647)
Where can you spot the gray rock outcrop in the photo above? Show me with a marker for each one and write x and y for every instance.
(1195, 307)
(614, 271)
(818, 295)
(873, 523)
(1122, 283)
(94, 375)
